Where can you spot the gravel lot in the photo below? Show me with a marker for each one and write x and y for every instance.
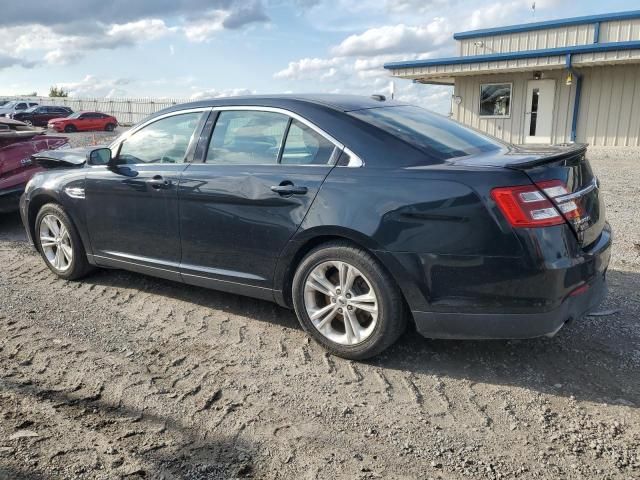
(126, 376)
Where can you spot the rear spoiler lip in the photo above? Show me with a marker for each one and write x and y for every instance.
(577, 149)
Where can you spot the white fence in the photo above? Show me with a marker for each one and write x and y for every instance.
(128, 111)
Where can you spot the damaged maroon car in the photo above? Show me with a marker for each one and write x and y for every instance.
(18, 142)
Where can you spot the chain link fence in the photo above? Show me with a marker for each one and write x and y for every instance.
(128, 111)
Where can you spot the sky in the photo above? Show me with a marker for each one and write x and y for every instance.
(192, 49)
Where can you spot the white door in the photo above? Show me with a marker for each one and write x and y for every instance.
(539, 111)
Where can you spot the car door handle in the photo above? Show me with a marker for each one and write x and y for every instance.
(289, 189)
(158, 182)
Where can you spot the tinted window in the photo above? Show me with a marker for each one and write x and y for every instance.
(436, 135)
(21, 106)
(304, 146)
(164, 141)
(247, 137)
(495, 99)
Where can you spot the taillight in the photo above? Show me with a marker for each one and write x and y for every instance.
(526, 206)
(539, 205)
(555, 189)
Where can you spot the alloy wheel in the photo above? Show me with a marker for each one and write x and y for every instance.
(341, 302)
(56, 242)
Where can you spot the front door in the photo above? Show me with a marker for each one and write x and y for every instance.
(132, 209)
(240, 206)
(539, 111)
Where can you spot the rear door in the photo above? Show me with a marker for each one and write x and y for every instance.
(132, 210)
(262, 169)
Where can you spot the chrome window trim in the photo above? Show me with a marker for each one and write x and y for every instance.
(354, 162)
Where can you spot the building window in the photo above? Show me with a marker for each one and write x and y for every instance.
(495, 100)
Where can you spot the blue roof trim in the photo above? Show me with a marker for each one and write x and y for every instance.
(548, 24)
(598, 47)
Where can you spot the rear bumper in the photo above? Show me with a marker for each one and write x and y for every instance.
(511, 325)
(481, 297)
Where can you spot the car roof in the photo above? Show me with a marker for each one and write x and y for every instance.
(343, 103)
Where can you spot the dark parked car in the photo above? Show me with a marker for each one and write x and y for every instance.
(41, 115)
(84, 121)
(361, 214)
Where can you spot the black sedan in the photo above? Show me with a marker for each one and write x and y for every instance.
(39, 116)
(362, 214)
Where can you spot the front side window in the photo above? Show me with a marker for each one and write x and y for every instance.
(247, 137)
(163, 141)
(305, 146)
(495, 100)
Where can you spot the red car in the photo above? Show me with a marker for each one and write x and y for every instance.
(83, 121)
(17, 143)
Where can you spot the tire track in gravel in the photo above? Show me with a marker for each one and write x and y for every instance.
(204, 365)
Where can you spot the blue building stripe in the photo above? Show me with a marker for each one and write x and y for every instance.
(547, 24)
(494, 57)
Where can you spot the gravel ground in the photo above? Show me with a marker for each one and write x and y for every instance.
(126, 376)
(82, 139)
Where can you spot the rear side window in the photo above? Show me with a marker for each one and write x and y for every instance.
(437, 136)
(305, 146)
(247, 137)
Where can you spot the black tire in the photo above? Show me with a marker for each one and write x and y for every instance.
(70, 129)
(78, 266)
(109, 127)
(391, 319)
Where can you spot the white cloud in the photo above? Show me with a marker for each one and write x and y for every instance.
(396, 39)
(205, 27)
(307, 67)
(92, 86)
(142, 30)
(214, 93)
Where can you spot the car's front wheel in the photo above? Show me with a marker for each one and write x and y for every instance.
(70, 129)
(347, 302)
(59, 243)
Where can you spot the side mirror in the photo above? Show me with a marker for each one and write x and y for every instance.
(100, 156)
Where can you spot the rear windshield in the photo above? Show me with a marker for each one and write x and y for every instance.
(434, 134)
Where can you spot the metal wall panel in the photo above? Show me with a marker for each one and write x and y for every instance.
(511, 129)
(532, 40)
(610, 106)
(620, 31)
(609, 112)
(615, 31)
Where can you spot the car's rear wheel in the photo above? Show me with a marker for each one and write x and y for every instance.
(347, 302)
(109, 127)
(59, 243)
(70, 129)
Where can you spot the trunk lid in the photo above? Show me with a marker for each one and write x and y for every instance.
(565, 176)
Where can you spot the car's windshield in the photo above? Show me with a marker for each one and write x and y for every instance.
(10, 104)
(434, 134)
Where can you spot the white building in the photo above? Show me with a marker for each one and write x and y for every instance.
(576, 79)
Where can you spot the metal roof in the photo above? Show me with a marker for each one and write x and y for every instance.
(524, 27)
(589, 48)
